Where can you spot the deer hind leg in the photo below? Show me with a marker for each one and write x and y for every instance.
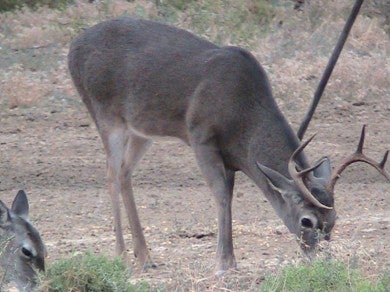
(113, 140)
(135, 148)
(124, 150)
(221, 182)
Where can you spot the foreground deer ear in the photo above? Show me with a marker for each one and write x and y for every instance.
(277, 181)
(4, 217)
(20, 205)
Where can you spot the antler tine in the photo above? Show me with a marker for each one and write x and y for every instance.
(301, 147)
(383, 162)
(298, 176)
(358, 156)
(361, 140)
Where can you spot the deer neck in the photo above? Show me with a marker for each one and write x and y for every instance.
(273, 151)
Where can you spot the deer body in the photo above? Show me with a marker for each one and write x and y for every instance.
(22, 251)
(141, 79)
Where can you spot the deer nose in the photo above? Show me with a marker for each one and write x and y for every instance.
(40, 263)
(308, 221)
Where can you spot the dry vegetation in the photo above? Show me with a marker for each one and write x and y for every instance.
(283, 46)
(293, 45)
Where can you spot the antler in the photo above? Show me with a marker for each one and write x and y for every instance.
(358, 156)
(298, 176)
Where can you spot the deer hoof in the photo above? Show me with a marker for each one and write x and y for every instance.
(150, 266)
(219, 274)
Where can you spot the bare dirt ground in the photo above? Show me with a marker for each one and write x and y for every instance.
(53, 151)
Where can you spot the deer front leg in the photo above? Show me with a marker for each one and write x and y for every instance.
(221, 182)
(225, 252)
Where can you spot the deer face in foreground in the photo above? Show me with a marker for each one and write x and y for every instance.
(22, 251)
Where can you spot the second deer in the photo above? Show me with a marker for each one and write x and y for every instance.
(22, 252)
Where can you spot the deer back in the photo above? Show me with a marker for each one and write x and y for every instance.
(165, 81)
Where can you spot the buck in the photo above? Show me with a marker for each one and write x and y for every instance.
(22, 252)
(141, 79)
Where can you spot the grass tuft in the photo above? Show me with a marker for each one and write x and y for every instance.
(88, 272)
(323, 275)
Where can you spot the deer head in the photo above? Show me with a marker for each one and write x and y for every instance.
(309, 194)
(22, 251)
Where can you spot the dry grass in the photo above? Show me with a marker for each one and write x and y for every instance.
(24, 88)
(294, 53)
(297, 54)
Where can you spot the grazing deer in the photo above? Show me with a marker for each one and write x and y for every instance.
(142, 79)
(22, 252)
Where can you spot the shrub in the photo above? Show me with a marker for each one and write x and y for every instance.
(8, 5)
(323, 276)
(178, 4)
(88, 272)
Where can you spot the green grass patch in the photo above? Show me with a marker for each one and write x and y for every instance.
(323, 276)
(222, 21)
(9, 5)
(88, 272)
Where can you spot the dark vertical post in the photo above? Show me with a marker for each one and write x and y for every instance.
(329, 68)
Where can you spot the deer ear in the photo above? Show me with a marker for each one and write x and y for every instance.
(4, 216)
(277, 181)
(20, 205)
(324, 170)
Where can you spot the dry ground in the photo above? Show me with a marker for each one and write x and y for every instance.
(52, 150)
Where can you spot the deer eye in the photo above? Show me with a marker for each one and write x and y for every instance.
(307, 223)
(27, 253)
